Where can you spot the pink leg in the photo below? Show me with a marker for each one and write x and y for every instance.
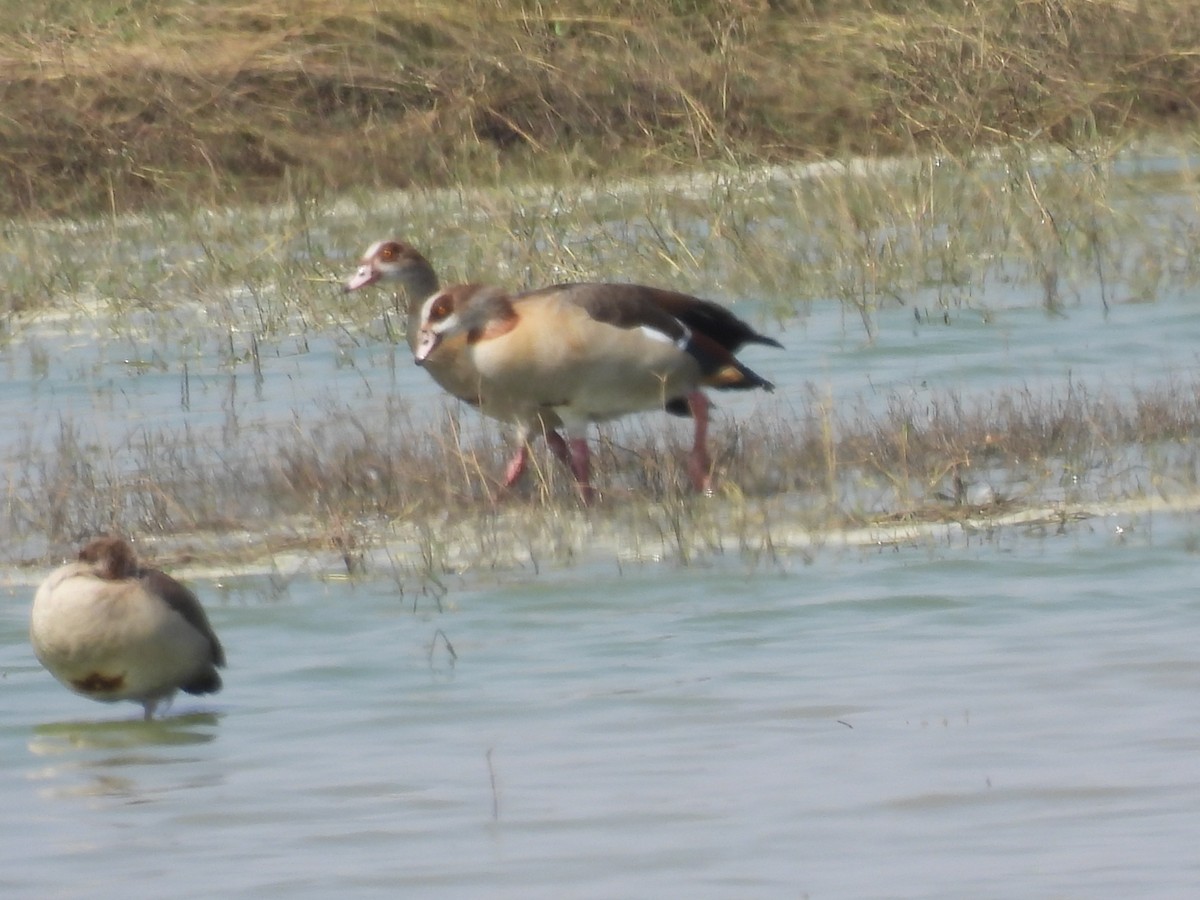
(574, 456)
(699, 464)
(516, 465)
(581, 468)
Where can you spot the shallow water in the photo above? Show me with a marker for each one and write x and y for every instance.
(1009, 713)
(1013, 716)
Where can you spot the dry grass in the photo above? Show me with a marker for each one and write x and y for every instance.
(114, 106)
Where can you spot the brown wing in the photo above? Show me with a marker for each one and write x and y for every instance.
(184, 602)
(634, 306)
(710, 319)
(609, 302)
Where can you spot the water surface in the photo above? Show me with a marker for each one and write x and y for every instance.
(1006, 717)
(1005, 713)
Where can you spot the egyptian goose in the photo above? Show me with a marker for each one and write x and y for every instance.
(585, 353)
(398, 263)
(112, 629)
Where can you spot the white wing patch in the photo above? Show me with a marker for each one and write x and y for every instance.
(656, 335)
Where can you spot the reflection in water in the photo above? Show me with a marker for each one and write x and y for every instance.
(109, 754)
(59, 737)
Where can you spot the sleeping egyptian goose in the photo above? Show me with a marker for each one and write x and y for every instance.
(398, 263)
(111, 629)
(585, 353)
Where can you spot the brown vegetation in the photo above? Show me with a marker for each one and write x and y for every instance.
(348, 488)
(116, 106)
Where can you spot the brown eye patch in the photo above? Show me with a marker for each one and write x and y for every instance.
(442, 307)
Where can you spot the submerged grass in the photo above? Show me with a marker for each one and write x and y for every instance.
(934, 233)
(427, 505)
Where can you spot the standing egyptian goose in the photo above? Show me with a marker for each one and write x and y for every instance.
(591, 353)
(112, 629)
(398, 263)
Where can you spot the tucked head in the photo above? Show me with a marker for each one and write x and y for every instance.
(111, 557)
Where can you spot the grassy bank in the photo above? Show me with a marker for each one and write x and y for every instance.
(115, 106)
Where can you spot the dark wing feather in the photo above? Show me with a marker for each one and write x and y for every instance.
(721, 369)
(184, 602)
(710, 319)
